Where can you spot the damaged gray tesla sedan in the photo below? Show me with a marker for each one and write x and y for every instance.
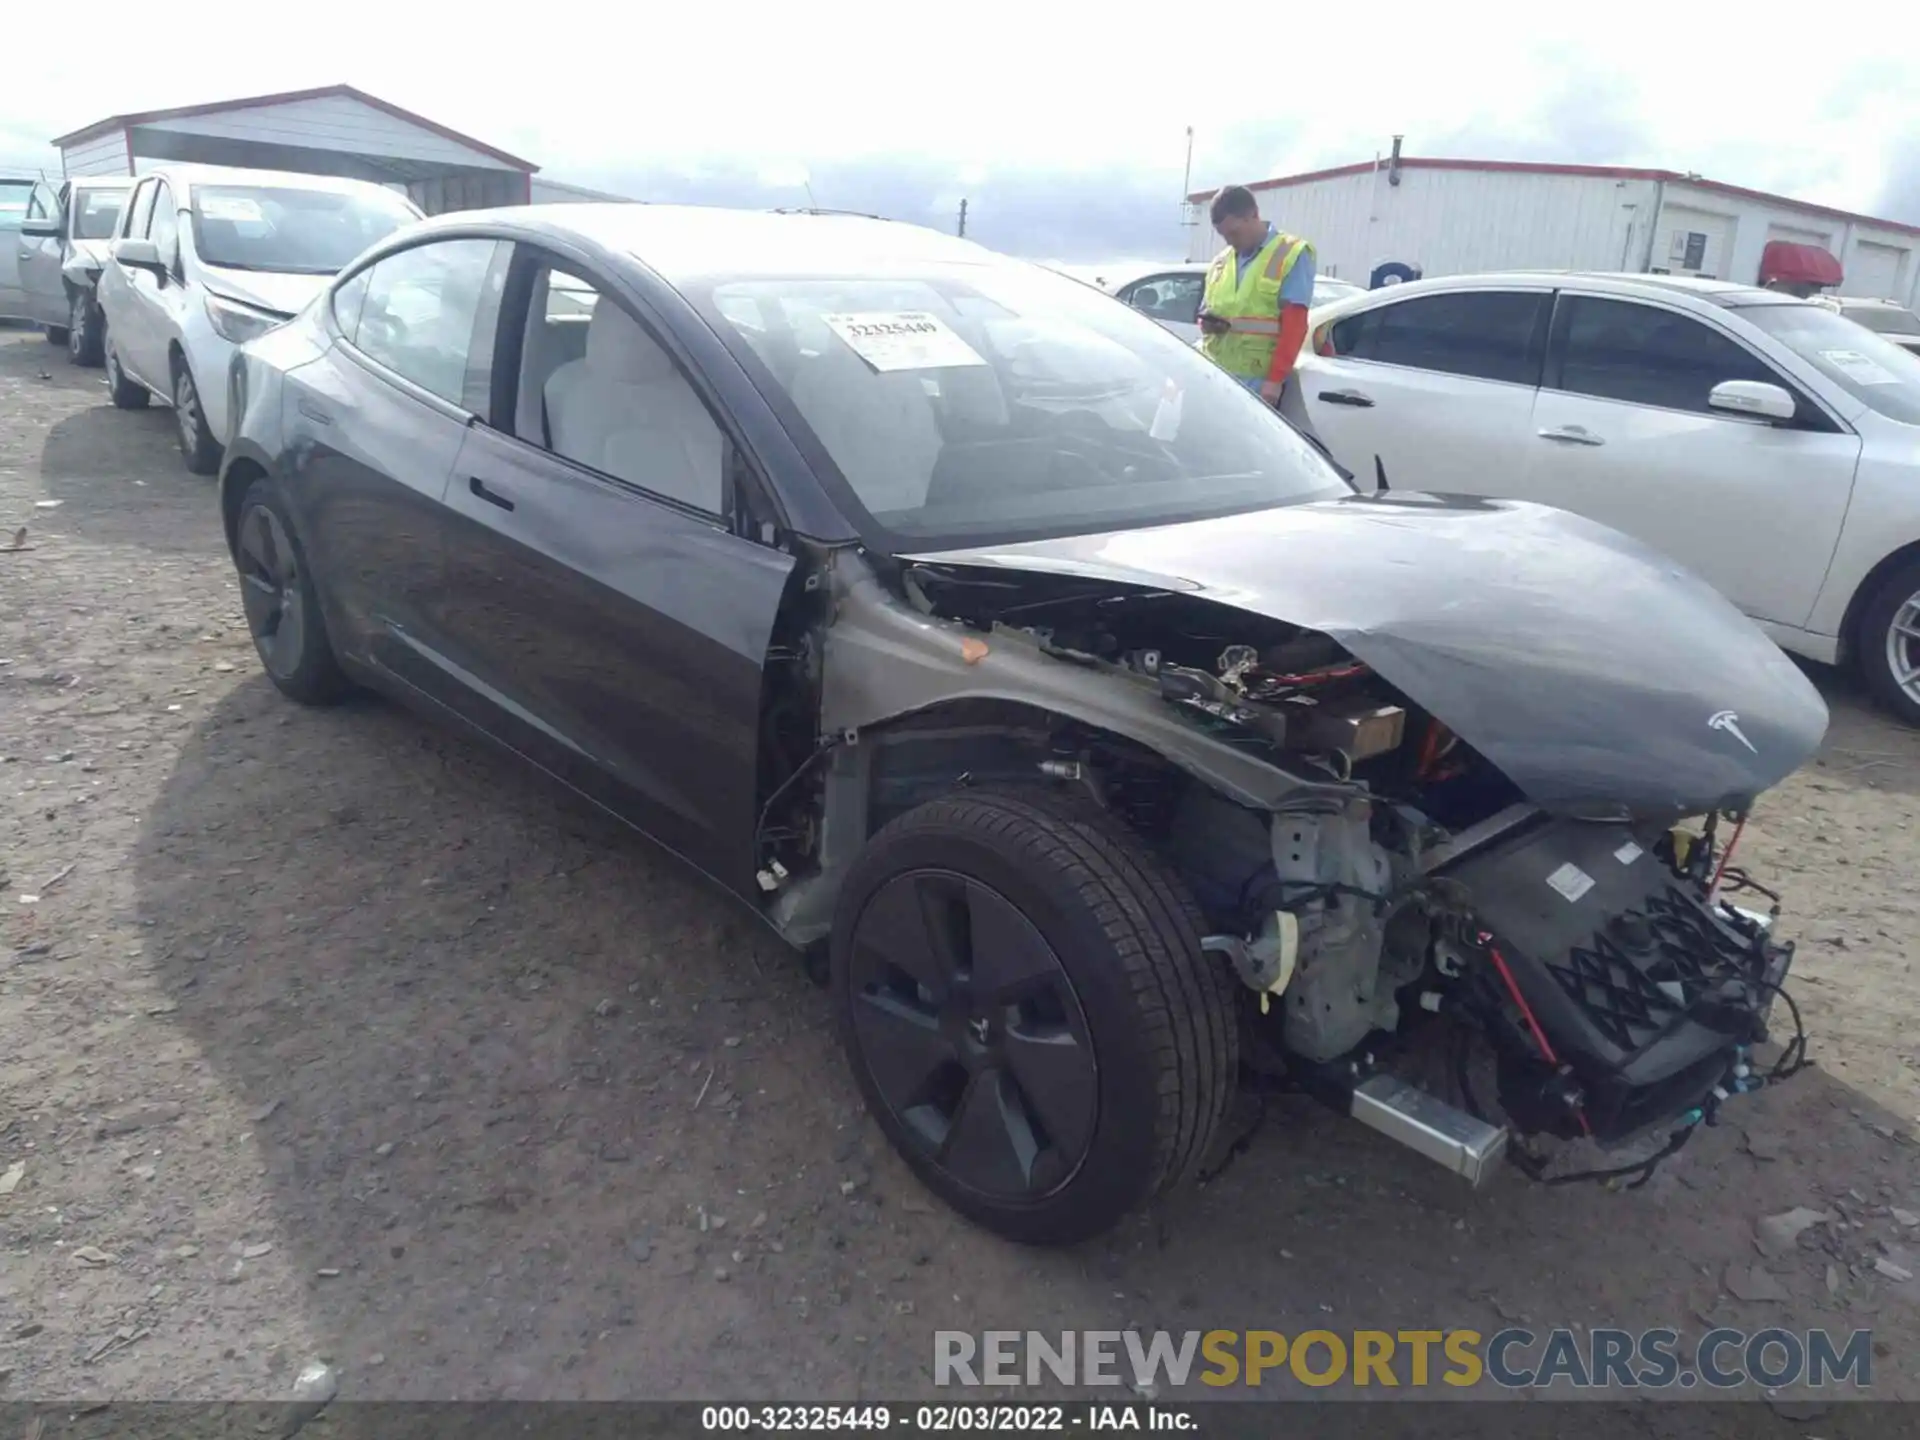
(1098, 741)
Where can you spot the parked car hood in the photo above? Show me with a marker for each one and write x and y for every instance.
(1601, 678)
(279, 291)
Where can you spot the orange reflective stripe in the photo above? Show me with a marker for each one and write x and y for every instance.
(1283, 258)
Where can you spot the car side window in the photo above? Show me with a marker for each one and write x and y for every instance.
(1482, 334)
(165, 229)
(1173, 298)
(140, 212)
(429, 313)
(348, 299)
(43, 204)
(598, 388)
(1646, 355)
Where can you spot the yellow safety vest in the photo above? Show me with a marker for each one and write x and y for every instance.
(1249, 298)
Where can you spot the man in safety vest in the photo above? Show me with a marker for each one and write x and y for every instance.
(1253, 317)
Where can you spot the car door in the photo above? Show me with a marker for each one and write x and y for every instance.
(1438, 388)
(41, 257)
(1171, 299)
(610, 617)
(1622, 433)
(370, 436)
(126, 293)
(15, 196)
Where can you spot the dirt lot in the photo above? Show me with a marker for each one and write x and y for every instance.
(332, 1035)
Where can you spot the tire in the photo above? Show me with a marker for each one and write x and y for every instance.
(56, 334)
(281, 602)
(197, 445)
(127, 392)
(85, 330)
(1128, 1042)
(1889, 634)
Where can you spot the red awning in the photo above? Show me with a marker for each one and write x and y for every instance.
(1798, 264)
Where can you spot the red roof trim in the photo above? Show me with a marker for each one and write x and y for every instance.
(288, 97)
(1615, 172)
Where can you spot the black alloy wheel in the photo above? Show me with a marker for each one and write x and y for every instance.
(282, 607)
(1026, 1008)
(973, 1034)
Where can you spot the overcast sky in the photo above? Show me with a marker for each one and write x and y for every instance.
(1063, 124)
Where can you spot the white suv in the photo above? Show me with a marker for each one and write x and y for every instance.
(1765, 442)
(206, 259)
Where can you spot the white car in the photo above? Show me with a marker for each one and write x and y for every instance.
(203, 261)
(1884, 317)
(1171, 294)
(1764, 442)
(61, 251)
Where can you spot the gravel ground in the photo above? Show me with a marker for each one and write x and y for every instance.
(331, 1035)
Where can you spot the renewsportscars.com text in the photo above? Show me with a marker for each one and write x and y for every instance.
(1515, 1358)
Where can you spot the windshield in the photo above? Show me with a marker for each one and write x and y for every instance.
(289, 229)
(1887, 319)
(1875, 372)
(1000, 403)
(96, 212)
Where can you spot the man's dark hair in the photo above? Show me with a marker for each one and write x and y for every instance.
(1234, 200)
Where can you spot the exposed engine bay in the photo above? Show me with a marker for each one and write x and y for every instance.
(1391, 897)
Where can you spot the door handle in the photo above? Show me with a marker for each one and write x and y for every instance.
(313, 412)
(1572, 435)
(492, 497)
(1347, 397)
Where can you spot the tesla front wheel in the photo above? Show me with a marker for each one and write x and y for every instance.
(197, 445)
(1023, 999)
(281, 602)
(127, 392)
(1889, 643)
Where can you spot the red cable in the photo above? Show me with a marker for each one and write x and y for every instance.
(1526, 1012)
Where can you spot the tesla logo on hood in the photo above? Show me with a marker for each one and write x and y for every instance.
(1728, 721)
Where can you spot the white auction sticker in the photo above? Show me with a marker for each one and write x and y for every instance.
(1628, 853)
(1571, 881)
(229, 207)
(902, 340)
(1858, 368)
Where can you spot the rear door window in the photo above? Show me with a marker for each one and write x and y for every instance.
(1174, 298)
(1647, 355)
(1482, 334)
(429, 316)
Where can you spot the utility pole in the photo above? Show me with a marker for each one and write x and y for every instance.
(963, 219)
(1186, 189)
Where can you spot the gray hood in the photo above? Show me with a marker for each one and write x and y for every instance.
(1600, 677)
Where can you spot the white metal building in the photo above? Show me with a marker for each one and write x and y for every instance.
(1443, 217)
(334, 130)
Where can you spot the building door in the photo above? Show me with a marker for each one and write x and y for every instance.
(1876, 271)
(1693, 242)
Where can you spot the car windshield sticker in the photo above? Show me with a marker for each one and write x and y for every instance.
(902, 340)
(1858, 368)
(1628, 853)
(229, 207)
(1571, 881)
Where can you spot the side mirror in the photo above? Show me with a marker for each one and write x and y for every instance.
(1758, 398)
(140, 255)
(41, 229)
